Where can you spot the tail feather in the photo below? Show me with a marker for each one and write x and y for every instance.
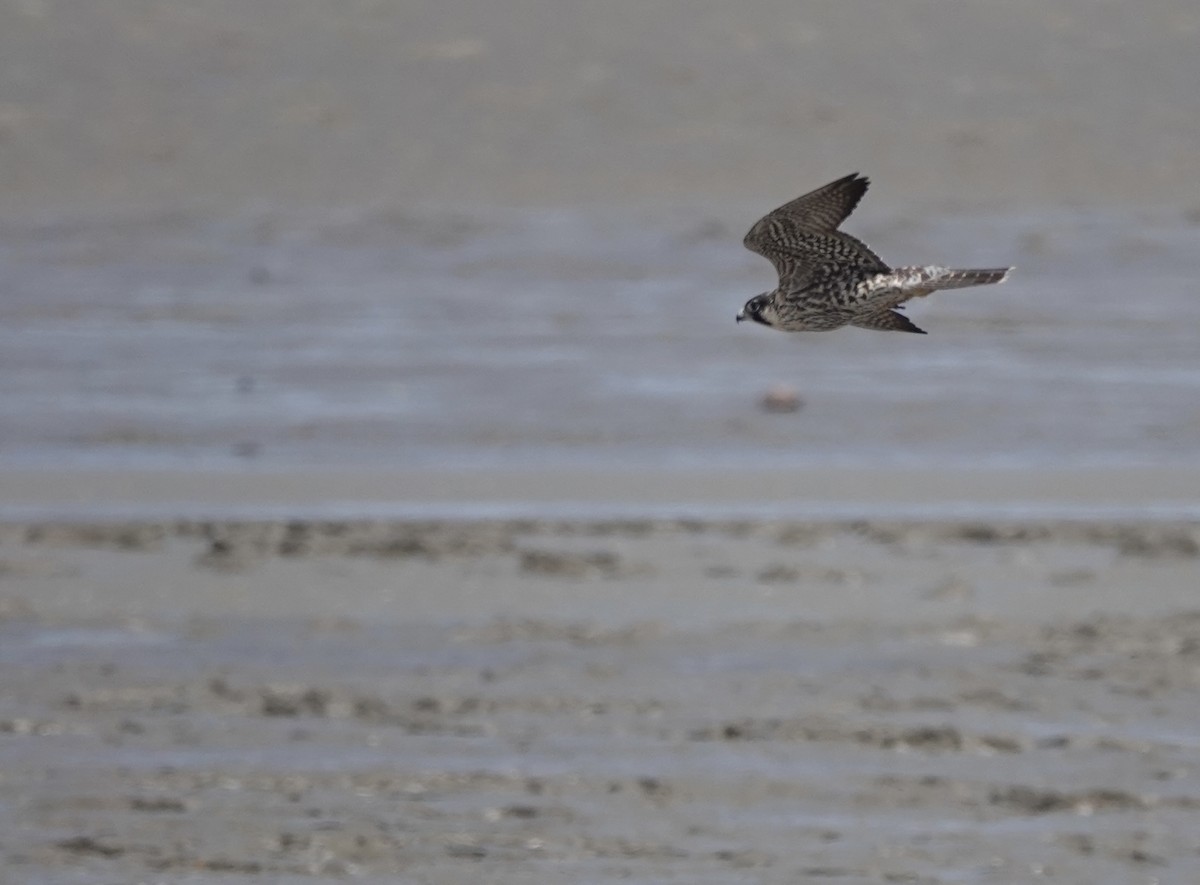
(955, 278)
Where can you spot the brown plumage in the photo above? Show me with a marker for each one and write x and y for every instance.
(829, 279)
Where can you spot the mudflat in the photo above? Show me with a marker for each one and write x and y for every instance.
(599, 700)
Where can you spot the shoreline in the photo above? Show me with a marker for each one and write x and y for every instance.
(837, 493)
(613, 572)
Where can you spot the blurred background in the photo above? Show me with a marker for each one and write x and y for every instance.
(350, 348)
(289, 232)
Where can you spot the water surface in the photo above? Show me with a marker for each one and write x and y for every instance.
(600, 340)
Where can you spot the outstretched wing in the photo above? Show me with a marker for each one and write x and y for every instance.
(801, 238)
(822, 209)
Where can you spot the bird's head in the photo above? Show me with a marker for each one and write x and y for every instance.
(758, 309)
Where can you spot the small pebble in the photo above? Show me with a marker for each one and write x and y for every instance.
(781, 398)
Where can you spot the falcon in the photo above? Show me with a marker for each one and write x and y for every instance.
(829, 279)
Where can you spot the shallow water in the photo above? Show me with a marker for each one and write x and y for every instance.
(570, 339)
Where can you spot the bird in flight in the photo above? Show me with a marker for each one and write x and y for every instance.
(829, 279)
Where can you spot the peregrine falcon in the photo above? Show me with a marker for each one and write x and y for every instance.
(829, 279)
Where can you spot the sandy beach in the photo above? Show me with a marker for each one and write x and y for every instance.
(655, 700)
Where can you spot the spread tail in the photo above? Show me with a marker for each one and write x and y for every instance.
(955, 278)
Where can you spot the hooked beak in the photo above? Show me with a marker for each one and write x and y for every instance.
(741, 315)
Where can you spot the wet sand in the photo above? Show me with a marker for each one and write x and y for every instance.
(582, 339)
(600, 700)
